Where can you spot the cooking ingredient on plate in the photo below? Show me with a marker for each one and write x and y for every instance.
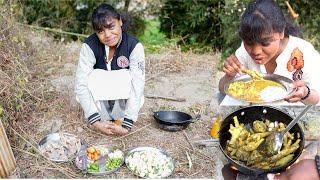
(256, 90)
(114, 160)
(244, 144)
(101, 159)
(93, 168)
(150, 164)
(93, 153)
(61, 149)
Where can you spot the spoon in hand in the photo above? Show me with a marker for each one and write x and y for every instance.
(275, 140)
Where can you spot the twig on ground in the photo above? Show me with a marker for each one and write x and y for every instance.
(157, 74)
(198, 152)
(189, 160)
(166, 98)
(206, 143)
(140, 129)
(5, 87)
(25, 138)
(55, 30)
(188, 140)
(196, 172)
(64, 171)
(123, 144)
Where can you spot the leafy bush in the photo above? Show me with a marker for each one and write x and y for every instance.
(195, 22)
(152, 38)
(230, 20)
(308, 20)
(72, 15)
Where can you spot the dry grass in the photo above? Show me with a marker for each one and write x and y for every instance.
(33, 106)
(145, 133)
(30, 68)
(15, 92)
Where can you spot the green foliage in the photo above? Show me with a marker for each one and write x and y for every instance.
(134, 24)
(308, 20)
(230, 20)
(152, 38)
(195, 22)
(72, 15)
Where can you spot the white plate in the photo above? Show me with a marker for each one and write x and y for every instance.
(140, 162)
(269, 96)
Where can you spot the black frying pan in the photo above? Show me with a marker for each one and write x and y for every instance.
(250, 114)
(173, 118)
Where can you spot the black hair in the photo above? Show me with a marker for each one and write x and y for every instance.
(264, 17)
(102, 15)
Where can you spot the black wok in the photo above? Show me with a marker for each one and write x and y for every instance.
(173, 118)
(247, 115)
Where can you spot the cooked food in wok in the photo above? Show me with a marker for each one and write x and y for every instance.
(256, 90)
(246, 144)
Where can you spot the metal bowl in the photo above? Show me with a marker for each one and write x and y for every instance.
(55, 138)
(284, 81)
(82, 160)
(149, 149)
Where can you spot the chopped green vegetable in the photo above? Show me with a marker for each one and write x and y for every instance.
(93, 168)
(113, 163)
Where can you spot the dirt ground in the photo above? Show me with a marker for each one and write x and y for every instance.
(169, 74)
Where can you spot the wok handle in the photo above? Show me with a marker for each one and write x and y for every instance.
(195, 119)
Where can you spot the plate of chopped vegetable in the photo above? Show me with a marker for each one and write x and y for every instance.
(99, 160)
(149, 162)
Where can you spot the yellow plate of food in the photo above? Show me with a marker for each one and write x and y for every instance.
(271, 88)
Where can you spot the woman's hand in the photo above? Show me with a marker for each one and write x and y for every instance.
(109, 128)
(300, 92)
(232, 66)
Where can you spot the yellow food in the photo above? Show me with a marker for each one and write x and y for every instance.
(93, 154)
(250, 90)
(91, 150)
(244, 145)
(255, 75)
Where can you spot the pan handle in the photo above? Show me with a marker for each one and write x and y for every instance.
(195, 119)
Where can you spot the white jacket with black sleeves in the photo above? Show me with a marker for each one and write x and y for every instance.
(129, 54)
